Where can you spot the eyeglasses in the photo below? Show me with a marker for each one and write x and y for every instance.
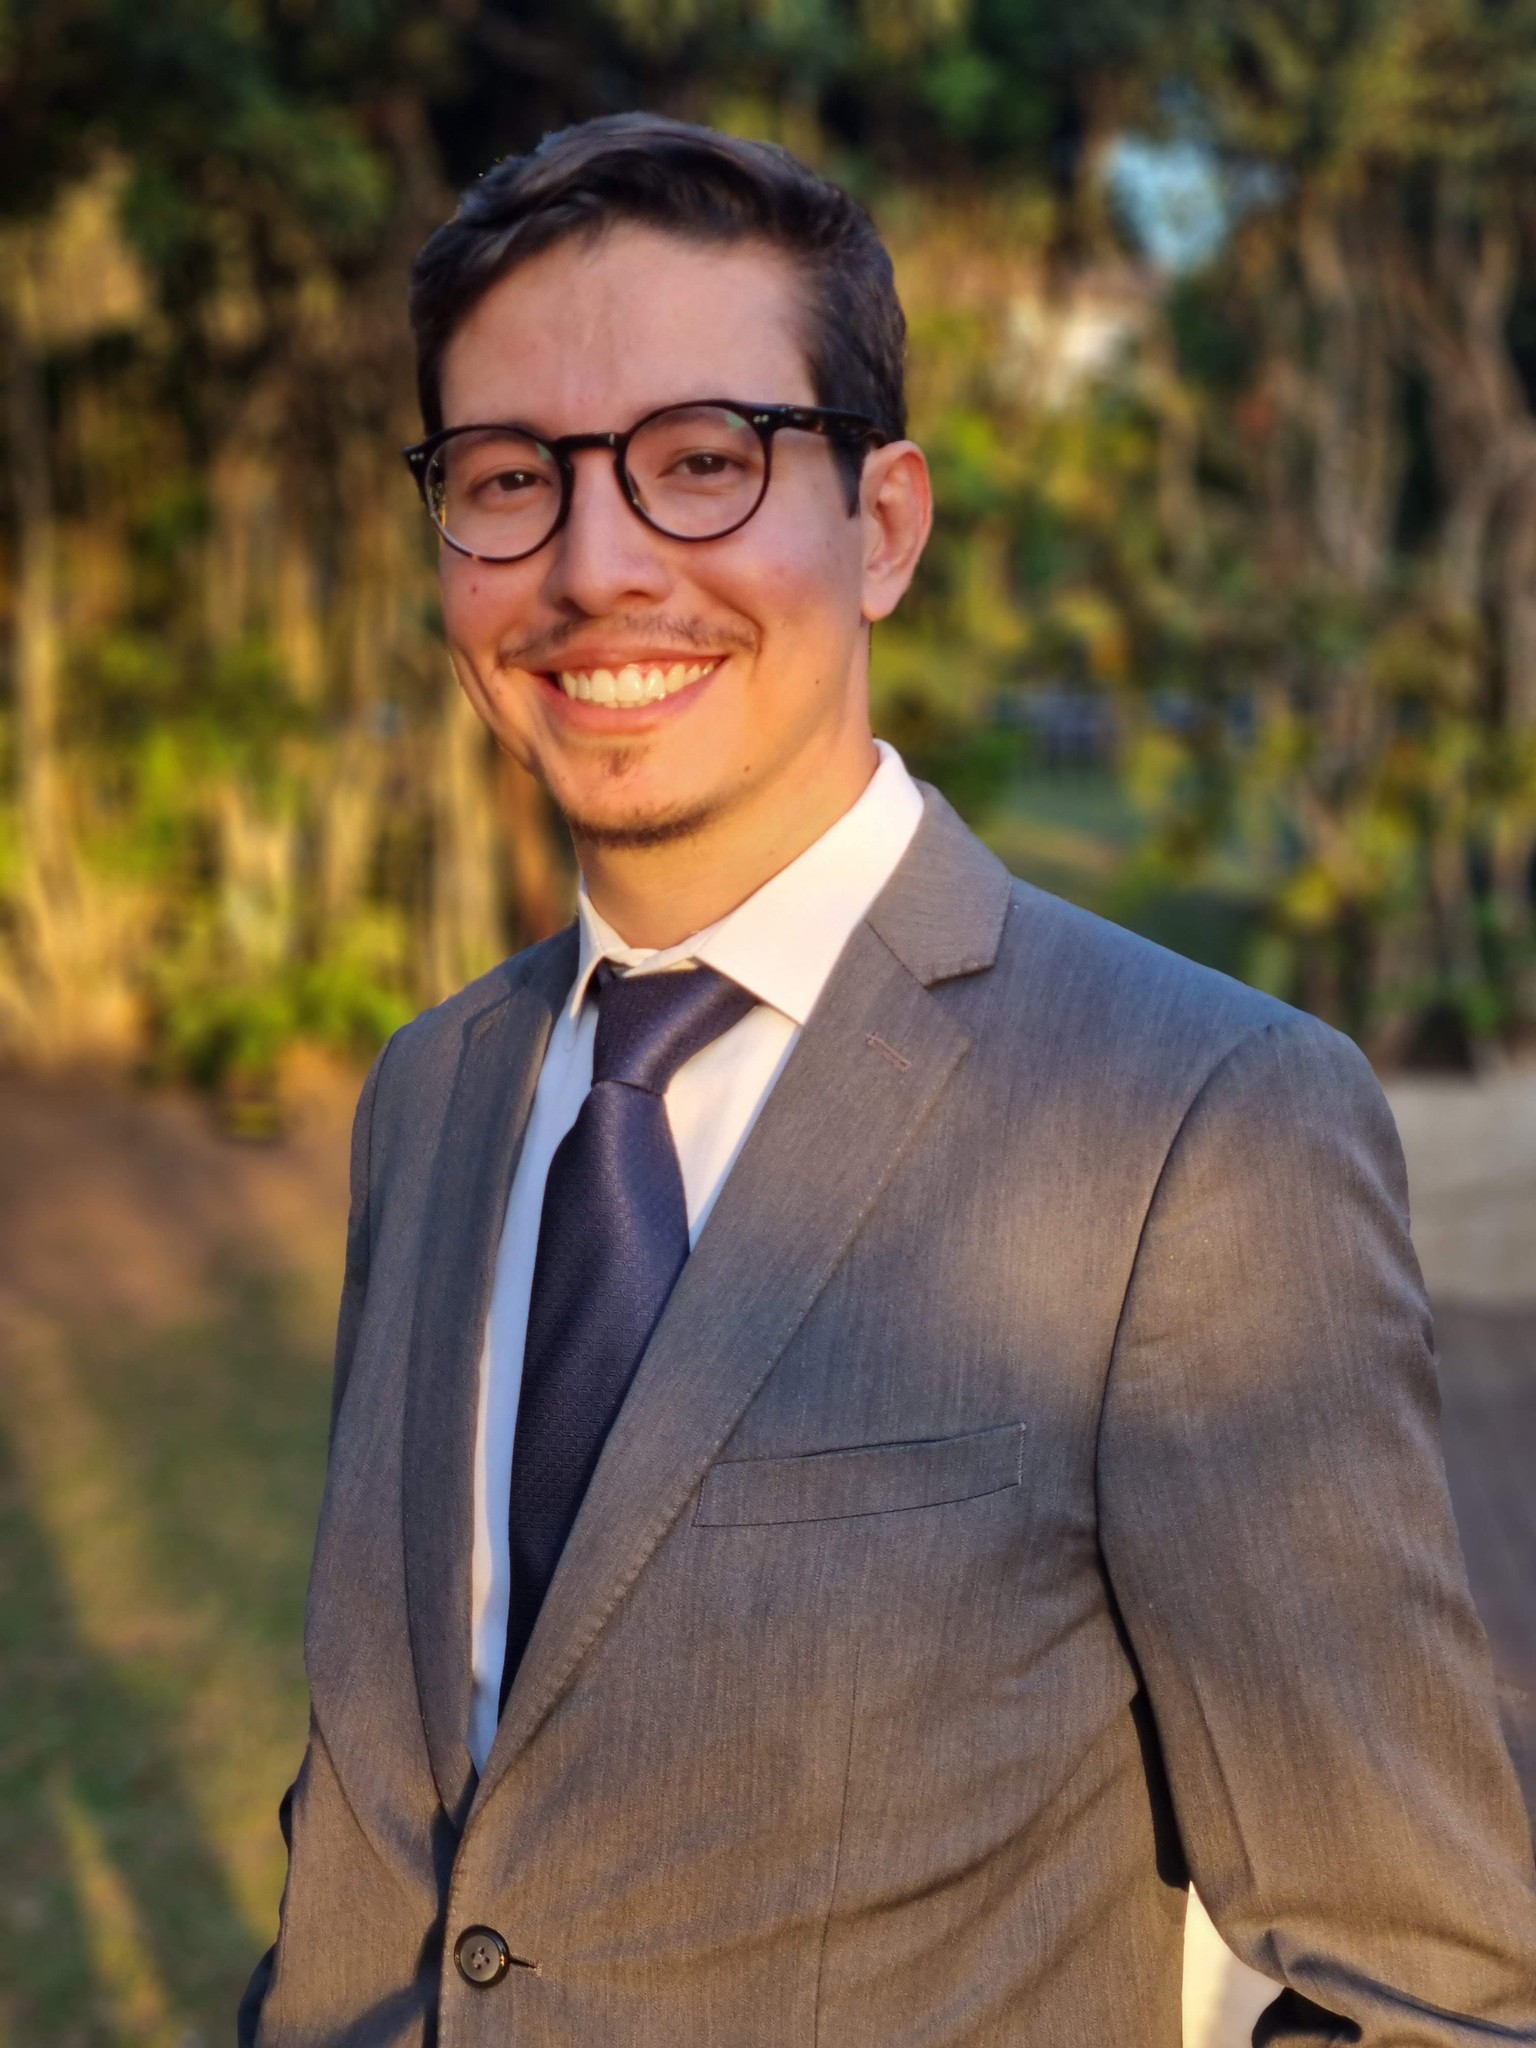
(691, 472)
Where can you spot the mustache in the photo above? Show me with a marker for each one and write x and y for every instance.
(544, 649)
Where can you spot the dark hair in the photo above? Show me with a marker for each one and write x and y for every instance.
(698, 184)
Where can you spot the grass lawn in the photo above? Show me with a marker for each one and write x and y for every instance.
(164, 1311)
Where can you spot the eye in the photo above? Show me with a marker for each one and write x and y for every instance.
(507, 483)
(705, 462)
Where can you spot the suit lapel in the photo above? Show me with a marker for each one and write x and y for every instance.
(502, 1050)
(870, 1065)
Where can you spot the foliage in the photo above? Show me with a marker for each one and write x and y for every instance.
(1278, 513)
(1291, 525)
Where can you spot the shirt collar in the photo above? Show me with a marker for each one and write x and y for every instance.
(783, 942)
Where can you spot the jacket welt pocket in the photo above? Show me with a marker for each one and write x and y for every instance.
(871, 1479)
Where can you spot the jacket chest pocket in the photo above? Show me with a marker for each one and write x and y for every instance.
(866, 1479)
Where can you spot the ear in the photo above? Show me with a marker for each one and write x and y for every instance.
(896, 506)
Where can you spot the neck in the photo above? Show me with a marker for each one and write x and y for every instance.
(656, 896)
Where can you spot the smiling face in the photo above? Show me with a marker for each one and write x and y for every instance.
(662, 689)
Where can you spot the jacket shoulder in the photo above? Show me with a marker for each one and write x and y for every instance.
(1133, 1006)
(427, 1050)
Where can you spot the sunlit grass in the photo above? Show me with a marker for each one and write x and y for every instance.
(157, 1505)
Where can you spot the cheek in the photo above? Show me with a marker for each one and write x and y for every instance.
(799, 583)
(462, 595)
(481, 607)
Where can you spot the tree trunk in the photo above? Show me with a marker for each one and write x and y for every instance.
(464, 935)
(1349, 395)
(34, 615)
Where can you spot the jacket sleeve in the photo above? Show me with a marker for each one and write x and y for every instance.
(354, 1288)
(1278, 1535)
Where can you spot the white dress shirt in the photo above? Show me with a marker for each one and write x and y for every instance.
(782, 945)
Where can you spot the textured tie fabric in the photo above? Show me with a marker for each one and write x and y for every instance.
(613, 1237)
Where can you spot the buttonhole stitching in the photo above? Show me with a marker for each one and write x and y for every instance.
(888, 1052)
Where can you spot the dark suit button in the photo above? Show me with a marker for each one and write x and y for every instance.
(482, 1956)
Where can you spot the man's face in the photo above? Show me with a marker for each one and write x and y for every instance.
(587, 337)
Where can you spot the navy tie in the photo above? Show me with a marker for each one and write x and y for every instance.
(613, 1237)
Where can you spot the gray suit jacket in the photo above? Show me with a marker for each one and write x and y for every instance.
(1030, 1494)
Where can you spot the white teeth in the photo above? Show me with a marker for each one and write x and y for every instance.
(631, 684)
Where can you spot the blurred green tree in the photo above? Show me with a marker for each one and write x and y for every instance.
(1376, 517)
(1273, 504)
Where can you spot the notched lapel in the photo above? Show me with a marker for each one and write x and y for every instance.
(869, 1067)
(502, 1050)
(942, 912)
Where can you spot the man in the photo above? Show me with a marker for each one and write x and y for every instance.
(881, 1423)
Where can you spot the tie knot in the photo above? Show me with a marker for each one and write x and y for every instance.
(648, 1025)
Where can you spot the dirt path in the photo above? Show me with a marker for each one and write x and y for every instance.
(118, 1203)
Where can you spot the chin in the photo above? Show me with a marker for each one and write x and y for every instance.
(638, 825)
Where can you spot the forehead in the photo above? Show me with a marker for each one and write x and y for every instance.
(592, 333)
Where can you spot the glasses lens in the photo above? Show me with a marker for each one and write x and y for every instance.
(697, 471)
(494, 493)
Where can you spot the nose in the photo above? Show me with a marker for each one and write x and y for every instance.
(604, 556)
